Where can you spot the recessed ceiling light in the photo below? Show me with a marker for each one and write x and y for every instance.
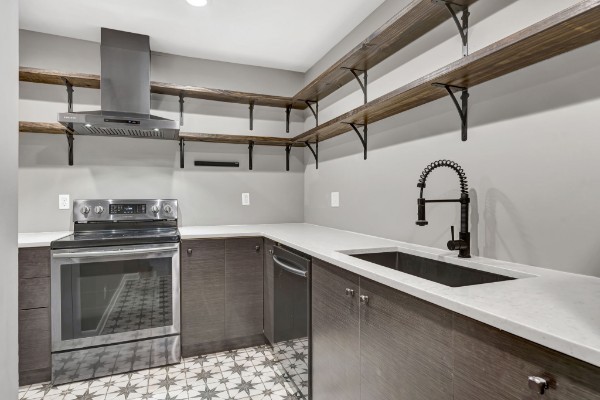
(197, 3)
(156, 129)
(88, 125)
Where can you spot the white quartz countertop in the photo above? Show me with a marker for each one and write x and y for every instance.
(40, 239)
(556, 309)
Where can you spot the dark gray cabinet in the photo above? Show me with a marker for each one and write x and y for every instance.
(268, 295)
(492, 364)
(221, 294)
(335, 333)
(244, 288)
(384, 344)
(405, 346)
(202, 294)
(34, 315)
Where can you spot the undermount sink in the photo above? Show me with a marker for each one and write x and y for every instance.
(432, 270)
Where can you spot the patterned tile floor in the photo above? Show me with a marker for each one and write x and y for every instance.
(254, 373)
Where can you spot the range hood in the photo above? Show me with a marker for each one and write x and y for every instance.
(124, 91)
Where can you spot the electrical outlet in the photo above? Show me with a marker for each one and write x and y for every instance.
(245, 199)
(64, 203)
(335, 199)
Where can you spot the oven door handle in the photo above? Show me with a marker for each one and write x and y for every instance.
(124, 252)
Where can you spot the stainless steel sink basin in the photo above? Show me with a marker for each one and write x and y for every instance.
(432, 270)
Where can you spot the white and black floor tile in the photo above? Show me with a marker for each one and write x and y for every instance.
(264, 372)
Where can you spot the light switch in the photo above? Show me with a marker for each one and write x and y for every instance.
(64, 203)
(245, 199)
(335, 199)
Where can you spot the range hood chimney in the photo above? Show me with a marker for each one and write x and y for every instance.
(125, 93)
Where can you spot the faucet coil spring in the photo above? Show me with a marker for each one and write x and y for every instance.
(464, 185)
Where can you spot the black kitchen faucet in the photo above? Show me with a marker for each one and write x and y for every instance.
(463, 244)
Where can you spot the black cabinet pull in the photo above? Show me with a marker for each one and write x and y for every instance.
(189, 251)
(257, 248)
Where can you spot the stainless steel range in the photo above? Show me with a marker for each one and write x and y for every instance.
(115, 289)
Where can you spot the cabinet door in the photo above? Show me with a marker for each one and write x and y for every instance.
(335, 333)
(405, 346)
(268, 285)
(202, 294)
(34, 346)
(495, 365)
(244, 288)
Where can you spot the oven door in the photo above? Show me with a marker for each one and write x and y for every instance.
(107, 295)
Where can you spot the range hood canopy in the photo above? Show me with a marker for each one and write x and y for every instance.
(124, 91)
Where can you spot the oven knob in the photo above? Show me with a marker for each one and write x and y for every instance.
(98, 209)
(155, 209)
(168, 209)
(85, 210)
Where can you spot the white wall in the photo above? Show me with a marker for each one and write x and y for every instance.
(531, 157)
(132, 168)
(9, 37)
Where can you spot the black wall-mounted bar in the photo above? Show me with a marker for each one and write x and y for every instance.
(181, 153)
(288, 110)
(315, 152)
(250, 151)
(462, 25)
(363, 83)
(70, 137)
(232, 164)
(252, 115)
(288, 148)
(315, 109)
(363, 138)
(181, 101)
(463, 108)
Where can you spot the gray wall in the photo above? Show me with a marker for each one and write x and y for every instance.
(531, 158)
(132, 168)
(9, 20)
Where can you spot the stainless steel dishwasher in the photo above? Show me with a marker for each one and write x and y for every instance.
(291, 316)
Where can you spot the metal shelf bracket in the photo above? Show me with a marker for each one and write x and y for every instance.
(250, 151)
(363, 83)
(362, 137)
(70, 137)
(462, 108)
(314, 151)
(252, 115)
(181, 101)
(288, 149)
(288, 110)
(181, 153)
(70, 140)
(315, 110)
(462, 24)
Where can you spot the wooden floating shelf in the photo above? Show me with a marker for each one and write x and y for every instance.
(567, 30)
(42, 127)
(57, 129)
(238, 139)
(415, 20)
(91, 81)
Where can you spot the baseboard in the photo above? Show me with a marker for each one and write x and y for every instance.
(221, 345)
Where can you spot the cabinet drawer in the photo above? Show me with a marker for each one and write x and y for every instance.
(34, 293)
(34, 262)
(492, 364)
(34, 339)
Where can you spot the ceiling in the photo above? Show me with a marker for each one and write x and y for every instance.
(285, 34)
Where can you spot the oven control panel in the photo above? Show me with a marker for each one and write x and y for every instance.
(124, 210)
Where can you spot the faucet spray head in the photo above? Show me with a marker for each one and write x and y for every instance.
(421, 221)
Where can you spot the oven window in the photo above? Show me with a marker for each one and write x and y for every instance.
(112, 297)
